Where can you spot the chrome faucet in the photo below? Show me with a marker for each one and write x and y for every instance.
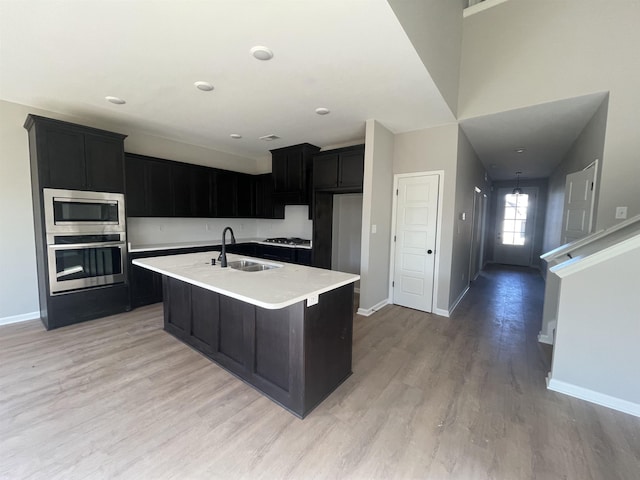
(222, 258)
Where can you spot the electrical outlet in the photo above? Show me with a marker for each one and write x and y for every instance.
(621, 213)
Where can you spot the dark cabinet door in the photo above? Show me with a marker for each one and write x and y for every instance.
(104, 157)
(62, 158)
(201, 192)
(177, 306)
(226, 204)
(272, 252)
(279, 171)
(135, 179)
(205, 320)
(291, 168)
(303, 256)
(296, 171)
(181, 189)
(325, 171)
(235, 340)
(351, 169)
(145, 285)
(158, 189)
(246, 196)
(266, 207)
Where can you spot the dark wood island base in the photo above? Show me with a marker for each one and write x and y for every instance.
(295, 355)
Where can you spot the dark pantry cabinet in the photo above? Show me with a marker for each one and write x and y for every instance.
(75, 157)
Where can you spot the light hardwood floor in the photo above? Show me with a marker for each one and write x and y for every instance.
(430, 398)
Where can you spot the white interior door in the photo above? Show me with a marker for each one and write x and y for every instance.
(415, 241)
(515, 223)
(578, 204)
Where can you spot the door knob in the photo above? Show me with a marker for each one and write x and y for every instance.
(429, 251)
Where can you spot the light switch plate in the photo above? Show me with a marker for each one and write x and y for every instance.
(374, 228)
(621, 213)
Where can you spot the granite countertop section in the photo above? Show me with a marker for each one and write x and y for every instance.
(271, 289)
(207, 243)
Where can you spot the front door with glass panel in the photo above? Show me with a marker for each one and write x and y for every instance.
(515, 221)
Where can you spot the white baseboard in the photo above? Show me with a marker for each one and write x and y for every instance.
(19, 318)
(458, 300)
(441, 311)
(598, 398)
(544, 338)
(366, 312)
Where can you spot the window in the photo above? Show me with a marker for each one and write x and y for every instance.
(515, 219)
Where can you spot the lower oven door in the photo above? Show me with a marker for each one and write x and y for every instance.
(76, 266)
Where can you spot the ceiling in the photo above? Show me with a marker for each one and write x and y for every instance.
(352, 57)
(546, 132)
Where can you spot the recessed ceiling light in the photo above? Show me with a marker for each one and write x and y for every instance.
(322, 111)
(520, 150)
(115, 100)
(204, 86)
(268, 138)
(262, 53)
(235, 136)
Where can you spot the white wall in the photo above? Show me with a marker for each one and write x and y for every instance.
(435, 30)
(588, 147)
(429, 150)
(596, 354)
(18, 284)
(377, 201)
(528, 52)
(470, 174)
(158, 231)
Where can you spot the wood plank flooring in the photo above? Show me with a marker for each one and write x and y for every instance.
(430, 398)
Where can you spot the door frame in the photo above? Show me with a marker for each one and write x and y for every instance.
(436, 265)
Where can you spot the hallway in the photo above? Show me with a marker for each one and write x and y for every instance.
(430, 398)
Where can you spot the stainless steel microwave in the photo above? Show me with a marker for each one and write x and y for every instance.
(76, 211)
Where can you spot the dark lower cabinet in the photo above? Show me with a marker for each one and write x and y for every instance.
(145, 285)
(296, 355)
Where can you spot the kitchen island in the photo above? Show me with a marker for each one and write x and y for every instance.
(286, 330)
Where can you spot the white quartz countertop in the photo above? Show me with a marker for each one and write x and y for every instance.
(136, 248)
(271, 289)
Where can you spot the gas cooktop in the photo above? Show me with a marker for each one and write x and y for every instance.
(289, 241)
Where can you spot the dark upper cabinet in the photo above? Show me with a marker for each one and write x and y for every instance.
(226, 194)
(158, 188)
(75, 157)
(325, 170)
(164, 188)
(340, 168)
(104, 157)
(181, 185)
(135, 186)
(246, 196)
(291, 169)
(201, 192)
(266, 207)
(149, 187)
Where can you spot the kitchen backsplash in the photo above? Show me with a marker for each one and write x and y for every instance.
(150, 231)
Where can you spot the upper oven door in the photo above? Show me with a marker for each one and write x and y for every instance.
(73, 211)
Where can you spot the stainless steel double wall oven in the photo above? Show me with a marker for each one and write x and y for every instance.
(86, 239)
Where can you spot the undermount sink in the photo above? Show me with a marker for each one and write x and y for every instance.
(245, 265)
